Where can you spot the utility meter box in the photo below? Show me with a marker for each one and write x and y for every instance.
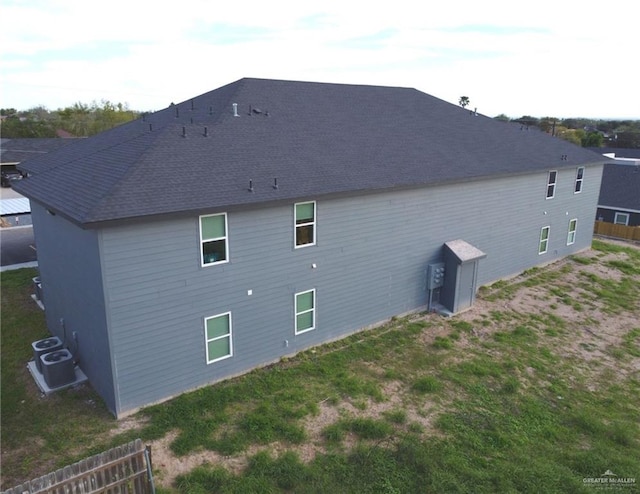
(435, 275)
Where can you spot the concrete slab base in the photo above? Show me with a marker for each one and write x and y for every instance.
(42, 384)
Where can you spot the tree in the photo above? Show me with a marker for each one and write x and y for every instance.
(15, 127)
(572, 135)
(548, 125)
(527, 121)
(80, 120)
(76, 119)
(627, 139)
(592, 140)
(464, 101)
(502, 118)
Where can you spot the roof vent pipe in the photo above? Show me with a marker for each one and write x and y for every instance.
(206, 131)
(184, 131)
(150, 127)
(235, 110)
(250, 185)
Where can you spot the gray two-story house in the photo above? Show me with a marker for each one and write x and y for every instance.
(265, 217)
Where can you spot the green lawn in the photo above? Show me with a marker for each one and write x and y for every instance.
(533, 390)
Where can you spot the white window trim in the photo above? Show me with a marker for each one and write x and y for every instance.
(579, 180)
(312, 310)
(295, 225)
(207, 340)
(571, 235)
(626, 221)
(540, 240)
(550, 183)
(202, 241)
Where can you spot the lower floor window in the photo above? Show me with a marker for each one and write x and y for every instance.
(621, 219)
(305, 311)
(218, 337)
(544, 240)
(571, 236)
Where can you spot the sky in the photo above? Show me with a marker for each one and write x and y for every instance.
(560, 58)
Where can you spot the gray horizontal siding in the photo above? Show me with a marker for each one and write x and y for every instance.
(371, 256)
(70, 270)
(609, 215)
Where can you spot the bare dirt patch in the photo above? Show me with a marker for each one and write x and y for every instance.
(587, 335)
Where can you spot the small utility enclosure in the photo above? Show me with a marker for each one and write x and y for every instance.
(461, 261)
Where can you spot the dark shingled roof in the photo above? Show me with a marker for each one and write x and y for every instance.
(18, 150)
(620, 187)
(316, 139)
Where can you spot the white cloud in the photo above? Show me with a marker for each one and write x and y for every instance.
(539, 58)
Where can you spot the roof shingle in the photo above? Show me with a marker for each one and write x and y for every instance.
(620, 187)
(315, 139)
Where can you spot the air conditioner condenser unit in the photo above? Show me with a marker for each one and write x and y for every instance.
(42, 347)
(58, 368)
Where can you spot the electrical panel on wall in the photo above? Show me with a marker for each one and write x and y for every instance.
(435, 275)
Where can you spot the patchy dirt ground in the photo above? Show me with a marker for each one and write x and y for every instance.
(593, 332)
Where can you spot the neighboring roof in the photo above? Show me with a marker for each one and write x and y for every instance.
(315, 139)
(620, 187)
(19, 205)
(619, 152)
(13, 151)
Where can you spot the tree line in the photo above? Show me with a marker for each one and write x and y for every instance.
(79, 120)
(584, 131)
(83, 120)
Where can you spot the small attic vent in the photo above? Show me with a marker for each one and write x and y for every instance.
(257, 111)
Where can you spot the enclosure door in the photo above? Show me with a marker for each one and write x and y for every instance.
(466, 285)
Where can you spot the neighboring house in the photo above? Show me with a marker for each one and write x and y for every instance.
(15, 209)
(619, 200)
(622, 156)
(266, 217)
(13, 151)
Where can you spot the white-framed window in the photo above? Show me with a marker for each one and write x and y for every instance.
(543, 246)
(579, 179)
(573, 226)
(305, 307)
(621, 218)
(214, 244)
(305, 223)
(551, 184)
(217, 334)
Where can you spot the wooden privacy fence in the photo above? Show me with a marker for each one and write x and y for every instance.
(617, 231)
(125, 469)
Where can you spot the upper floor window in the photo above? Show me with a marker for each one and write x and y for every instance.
(551, 184)
(579, 178)
(217, 334)
(305, 311)
(543, 245)
(305, 223)
(571, 236)
(213, 239)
